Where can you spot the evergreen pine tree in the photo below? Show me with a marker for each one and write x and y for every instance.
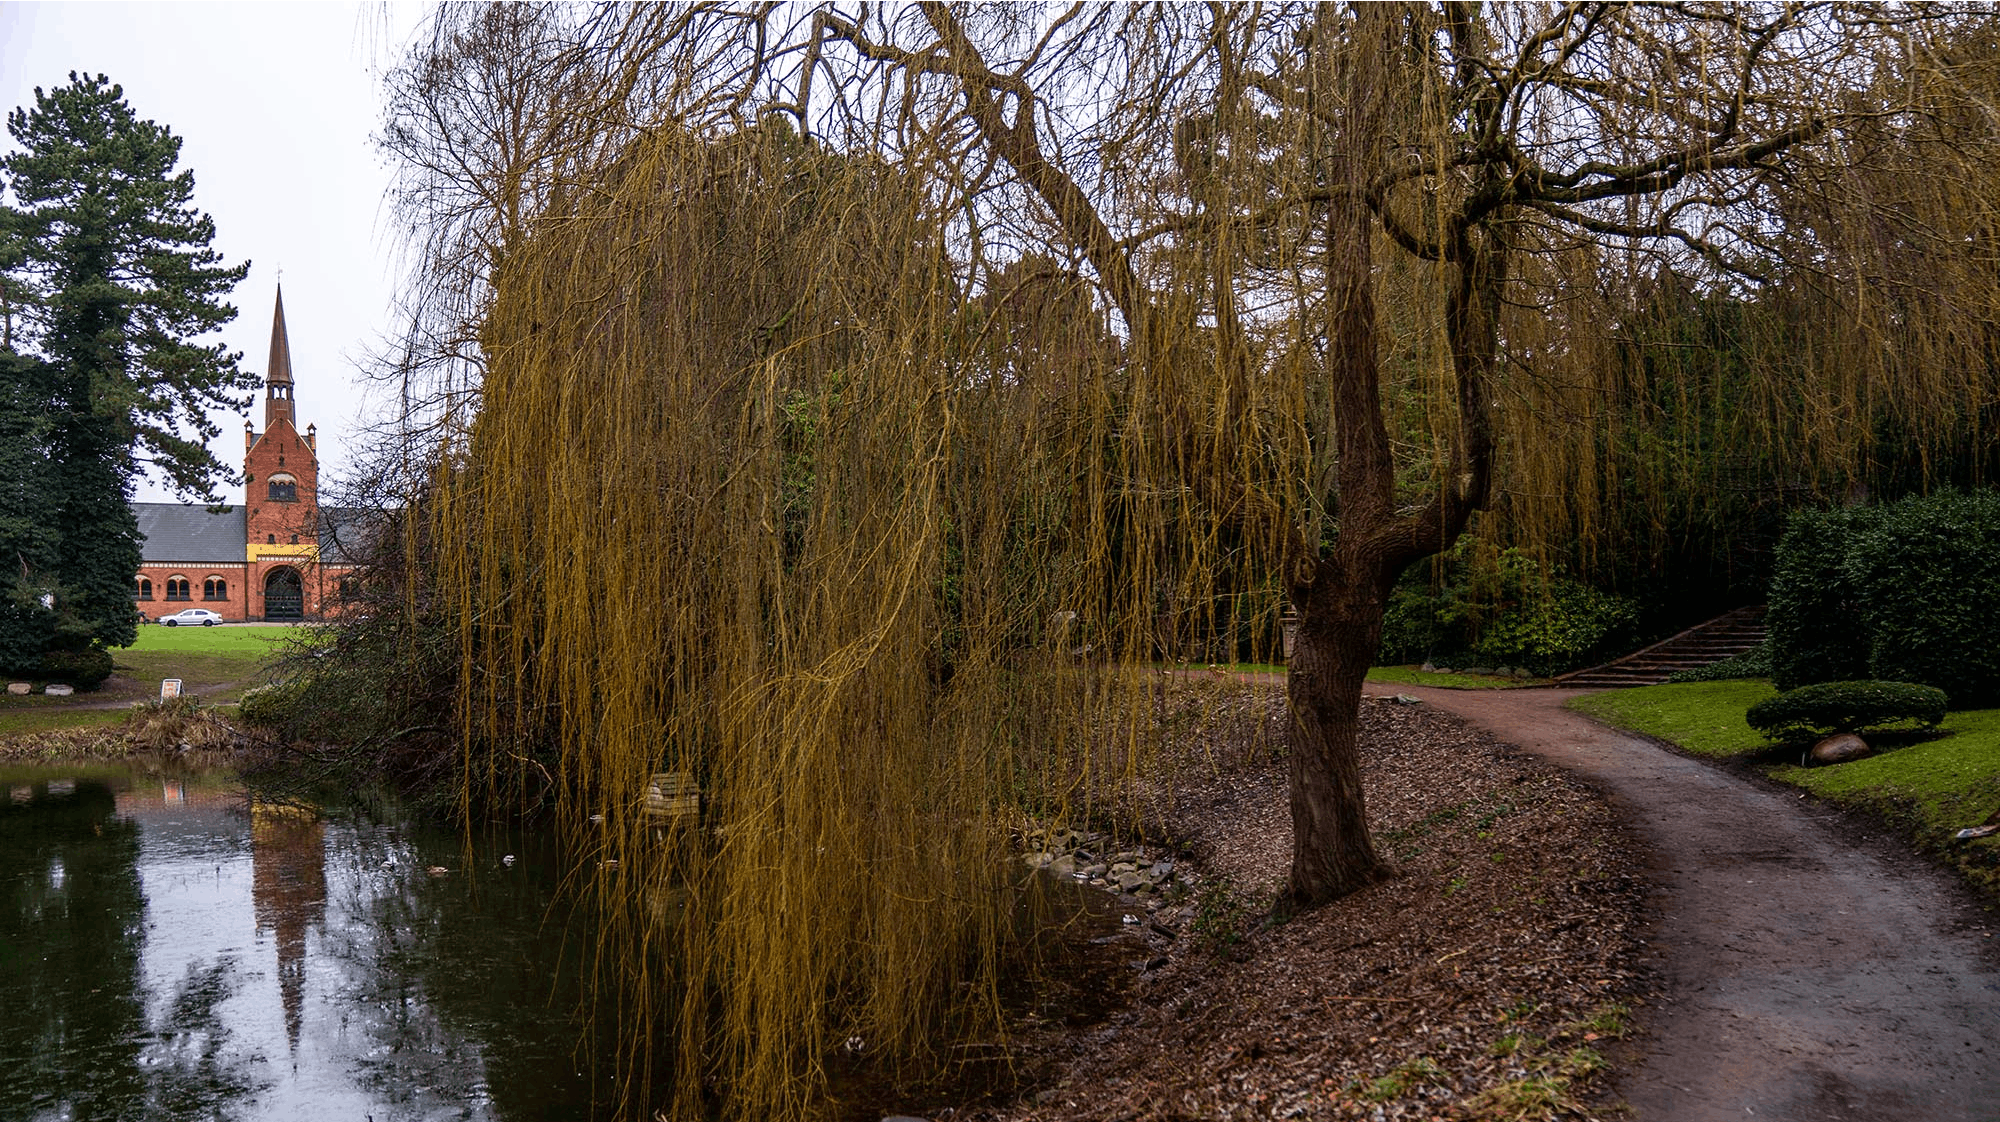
(111, 280)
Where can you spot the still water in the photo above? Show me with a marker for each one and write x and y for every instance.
(169, 951)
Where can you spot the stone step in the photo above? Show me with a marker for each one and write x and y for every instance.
(1726, 636)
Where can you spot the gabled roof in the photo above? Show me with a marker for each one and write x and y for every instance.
(192, 534)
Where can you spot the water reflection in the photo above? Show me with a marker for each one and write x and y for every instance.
(288, 885)
(169, 951)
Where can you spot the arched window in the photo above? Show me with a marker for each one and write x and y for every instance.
(178, 588)
(283, 488)
(350, 588)
(215, 588)
(143, 590)
(270, 539)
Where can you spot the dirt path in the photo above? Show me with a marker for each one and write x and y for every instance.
(1807, 976)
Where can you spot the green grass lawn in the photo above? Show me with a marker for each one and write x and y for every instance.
(1928, 790)
(202, 656)
(1705, 718)
(1412, 676)
(46, 718)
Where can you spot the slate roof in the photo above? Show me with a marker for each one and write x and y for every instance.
(174, 532)
(346, 533)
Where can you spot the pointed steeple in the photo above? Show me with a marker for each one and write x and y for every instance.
(278, 375)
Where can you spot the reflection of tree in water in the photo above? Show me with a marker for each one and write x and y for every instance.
(288, 885)
(190, 1074)
(71, 921)
(473, 978)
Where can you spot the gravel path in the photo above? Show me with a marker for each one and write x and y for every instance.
(1808, 975)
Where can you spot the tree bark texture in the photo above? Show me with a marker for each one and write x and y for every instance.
(1340, 623)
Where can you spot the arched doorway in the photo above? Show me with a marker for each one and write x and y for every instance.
(284, 596)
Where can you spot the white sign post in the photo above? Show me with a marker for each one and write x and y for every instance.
(170, 688)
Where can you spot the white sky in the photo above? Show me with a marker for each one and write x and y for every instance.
(275, 105)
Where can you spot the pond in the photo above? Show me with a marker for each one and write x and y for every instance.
(170, 951)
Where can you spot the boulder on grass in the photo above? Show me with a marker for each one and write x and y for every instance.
(1840, 748)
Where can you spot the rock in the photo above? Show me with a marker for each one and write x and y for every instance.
(1478, 670)
(1408, 699)
(1123, 865)
(1840, 748)
(1503, 672)
(1129, 881)
(1428, 667)
(19, 689)
(1063, 866)
(1039, 860)
(1161, 870)
(57, 690)
(1092, 871)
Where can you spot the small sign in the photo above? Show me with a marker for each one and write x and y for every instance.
(170, 688)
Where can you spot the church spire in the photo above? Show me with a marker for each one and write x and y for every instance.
(278, 375)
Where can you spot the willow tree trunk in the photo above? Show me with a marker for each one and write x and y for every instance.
(1339, 626)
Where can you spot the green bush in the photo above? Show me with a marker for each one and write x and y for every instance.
(85, 669)
(1410, 630)
(273, 706)
(1813, 620)
(1904, 592)
(1926, 572)
(1829, 707)
(1753, 663)
(1554, 631)
(1500, 608)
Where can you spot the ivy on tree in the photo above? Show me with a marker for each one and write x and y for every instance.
(110, 284)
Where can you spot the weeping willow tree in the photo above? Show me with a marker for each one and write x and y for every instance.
(839, 406)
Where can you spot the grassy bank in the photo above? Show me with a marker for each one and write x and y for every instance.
(1927, 791)
(221, 662)
(215, 663)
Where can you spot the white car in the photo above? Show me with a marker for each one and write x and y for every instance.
(192, 616)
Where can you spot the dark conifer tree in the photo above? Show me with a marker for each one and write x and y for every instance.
(111, 282)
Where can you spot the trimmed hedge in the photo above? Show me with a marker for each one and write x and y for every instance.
(1926, 578)
(1905, 592)
(1829, 707)
(1812, 619)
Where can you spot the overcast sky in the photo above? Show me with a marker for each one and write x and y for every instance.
(275, 105)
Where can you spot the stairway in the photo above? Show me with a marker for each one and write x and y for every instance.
(1725, 636)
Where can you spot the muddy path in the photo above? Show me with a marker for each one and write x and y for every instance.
(1808, 973)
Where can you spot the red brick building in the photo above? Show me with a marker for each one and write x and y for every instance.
(276, 557)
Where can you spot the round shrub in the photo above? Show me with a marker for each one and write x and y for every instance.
(1830, 707)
